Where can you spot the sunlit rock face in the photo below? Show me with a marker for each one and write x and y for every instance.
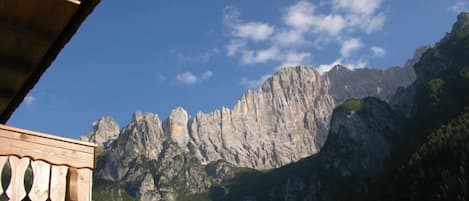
(285, 120)
(103, 131)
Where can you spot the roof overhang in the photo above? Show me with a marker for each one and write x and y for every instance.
(32, 33)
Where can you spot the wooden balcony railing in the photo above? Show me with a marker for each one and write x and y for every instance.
(53, 168)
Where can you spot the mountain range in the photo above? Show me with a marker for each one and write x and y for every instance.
(342, 135)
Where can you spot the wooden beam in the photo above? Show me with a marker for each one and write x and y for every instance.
(25, 30)
(6, 93)
(52, 149)
(86, 7)
(15, 65)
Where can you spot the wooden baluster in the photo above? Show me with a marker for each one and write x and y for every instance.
(3, 160)
(79, 184)
(58, 183)
(85, 184)
(16, 191)
(40, 189)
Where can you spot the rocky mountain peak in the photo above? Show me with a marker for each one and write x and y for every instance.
(462, 22)
(102, 131)
(339, 68)
(137, 116)
(177, 126)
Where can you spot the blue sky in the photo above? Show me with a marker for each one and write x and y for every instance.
(156, 55)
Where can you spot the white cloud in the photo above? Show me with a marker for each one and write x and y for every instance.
(374, 23)
(378, 51)
(361, 14)
(230, 16)
(206, 75)
(186, 78)
(305, 27)
(331, 24)
(301, 16)
(261, 56)
(327, 67)
(349, 46)
(296, 58)
(254, 84)
(234, 47)
(290, 37)
(255, 31)
(29, 99)
(362, 7)
(189, 78)
(459, 7)
(352, 65)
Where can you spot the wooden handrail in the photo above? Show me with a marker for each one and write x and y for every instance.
(52, 149)
(61, 167)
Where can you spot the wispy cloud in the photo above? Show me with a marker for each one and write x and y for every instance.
(349, 46)
(306, 27)
(259, 56)
(189, 78)
(206, 75)
(459, 7)
(378, 51)
(203, 57)
(254, 83)
(349, 64)
(160, 77)
(186, 78)
(29, 99)
(255, 31)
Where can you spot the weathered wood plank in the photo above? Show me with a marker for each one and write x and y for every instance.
(84, 184)
(54, 150)
(52, 140)
(58, 183)
(40, 188)
(79, 184)
(72, 191)
(16, 191)
(3, 160)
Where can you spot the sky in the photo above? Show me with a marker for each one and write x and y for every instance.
(154, 56)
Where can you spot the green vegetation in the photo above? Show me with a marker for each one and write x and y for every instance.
(192, 197)
(259, 184)
(435, 87)
(437, 171)
(106, 190)
(352, 104)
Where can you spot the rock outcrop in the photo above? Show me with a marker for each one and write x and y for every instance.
(364, 82)
(103, 131)
(285, 120)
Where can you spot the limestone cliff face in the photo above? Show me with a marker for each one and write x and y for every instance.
(284, 121)
(354, 155)
(102, 131)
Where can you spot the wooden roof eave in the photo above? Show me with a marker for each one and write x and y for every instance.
(86, 7)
